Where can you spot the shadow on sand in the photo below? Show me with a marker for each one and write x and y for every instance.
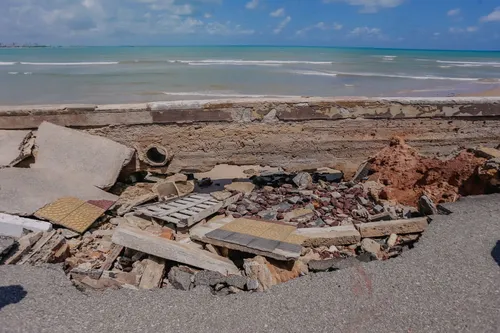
(11, 295)
(495, 253)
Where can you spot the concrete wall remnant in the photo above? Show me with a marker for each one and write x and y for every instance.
(294, 133)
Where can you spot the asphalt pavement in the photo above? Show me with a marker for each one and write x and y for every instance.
(450, 282)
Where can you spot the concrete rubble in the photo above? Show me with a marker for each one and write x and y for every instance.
(182, 231)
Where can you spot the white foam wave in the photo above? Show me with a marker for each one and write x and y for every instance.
(400, 76)
(313, 73)
(13, 73)
(396, 76)
(457, 63)
(96, 63)
(249, 62)
(218, 94)
(480, 63)
(3, 63)
(386, 57)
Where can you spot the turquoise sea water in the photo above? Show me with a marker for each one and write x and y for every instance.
(137, 74)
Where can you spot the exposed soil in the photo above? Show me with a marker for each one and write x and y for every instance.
(408, 175)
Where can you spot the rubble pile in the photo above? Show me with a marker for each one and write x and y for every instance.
(176, 231)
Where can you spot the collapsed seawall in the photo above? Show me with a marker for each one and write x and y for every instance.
(296, 134)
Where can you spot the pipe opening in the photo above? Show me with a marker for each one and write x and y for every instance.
(156, 156)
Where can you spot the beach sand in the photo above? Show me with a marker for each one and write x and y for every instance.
(495, 92)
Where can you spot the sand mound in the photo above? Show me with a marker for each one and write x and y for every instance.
(407, 175)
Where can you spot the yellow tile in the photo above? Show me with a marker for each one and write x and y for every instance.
(278, 232)
(295, 239)
(82, 218)
(59, 209)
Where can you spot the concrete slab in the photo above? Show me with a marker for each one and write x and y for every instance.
(341, 235)
(9, 223)
(98, 159)
(12, 147)
(24, 191)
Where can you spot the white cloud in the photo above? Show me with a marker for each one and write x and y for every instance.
(319, 26)
(456, 30)
(102, 21)
(282, 25)
(278, 12)
(454, 12)
(437, 34)
(207, 15)
(252, 4)
(370, 6)
(227, 29)
(493, 16)
(366, 31)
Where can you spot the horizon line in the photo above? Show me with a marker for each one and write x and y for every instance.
(36, 45)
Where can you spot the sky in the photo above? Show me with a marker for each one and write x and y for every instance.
(435, 24)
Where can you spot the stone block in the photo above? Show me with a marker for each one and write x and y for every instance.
(341, 235)
(399, 227)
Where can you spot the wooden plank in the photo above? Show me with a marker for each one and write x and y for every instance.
(188, 212)
(200, 216)
(110, 259)
(153, 273)
(180, 216)
(171, 219)
(143, 241)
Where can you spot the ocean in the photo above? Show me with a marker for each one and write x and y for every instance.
(141, 74)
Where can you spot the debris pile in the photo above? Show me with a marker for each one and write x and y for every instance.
(174, 231)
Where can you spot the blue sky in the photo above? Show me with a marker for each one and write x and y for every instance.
(442, 24)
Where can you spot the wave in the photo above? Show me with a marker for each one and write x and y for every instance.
(96, 63)
(13, 73)
(386, 57)
(457, 63)
(396, 76)
(217, 94)
(249, 62)
(2, 63)
(313, 73)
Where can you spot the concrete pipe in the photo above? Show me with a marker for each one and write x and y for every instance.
(155, 156)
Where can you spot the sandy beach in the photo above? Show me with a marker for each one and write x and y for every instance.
(495, 92)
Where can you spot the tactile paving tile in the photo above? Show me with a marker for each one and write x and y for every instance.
(59, 209)
(261, 236)
(75, 214)
(82, 218)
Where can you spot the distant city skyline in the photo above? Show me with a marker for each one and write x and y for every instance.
(409, 24)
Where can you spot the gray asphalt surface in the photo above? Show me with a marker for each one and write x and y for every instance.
(449, 283)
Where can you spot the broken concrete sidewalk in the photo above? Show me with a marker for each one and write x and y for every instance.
(97, 159)
(143, 241)
(24, 191)
(14, 147)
